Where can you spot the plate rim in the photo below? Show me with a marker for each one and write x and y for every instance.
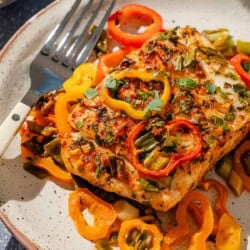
(24, 240)
(27, 243)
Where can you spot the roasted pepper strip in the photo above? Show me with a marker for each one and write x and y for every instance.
(175, 160)
(237, 61)
(109, 61)
(220, 206)
(198, 239)
(120, 17)
(82, 79)
(127, 107)
(103, 213)
(238, 165)
(229, 233)
(62, 112)
(54, 170)
(129, 240)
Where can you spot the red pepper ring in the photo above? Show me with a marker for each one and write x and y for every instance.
(237, 61)
(175, 160)
(124, 14)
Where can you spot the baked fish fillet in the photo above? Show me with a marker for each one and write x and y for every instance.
(211, 95)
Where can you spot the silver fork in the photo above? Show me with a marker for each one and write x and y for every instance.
(55, 62)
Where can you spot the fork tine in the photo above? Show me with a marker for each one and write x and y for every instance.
(68, 37)
(58, 30)
(82, 37)
(87, 49)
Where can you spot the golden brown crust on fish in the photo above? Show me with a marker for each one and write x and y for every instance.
(205, 91)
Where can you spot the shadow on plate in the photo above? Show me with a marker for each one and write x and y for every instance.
(18, 184)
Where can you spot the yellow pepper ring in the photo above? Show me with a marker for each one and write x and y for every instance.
(126, 107)
(82, 79)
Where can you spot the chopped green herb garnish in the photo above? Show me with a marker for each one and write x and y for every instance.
(225, 127)
(155, 104)
(79, 124)
(187, 83)
(223, 94)
(231, 75)
(211, 138)
(148, 47)
(229, 117)
(210, 87)
(145, 95)
(109, 138)
(246, 66)
(218, 122)
(155, 122)
(163, 36)
(240, 89)
(90, 93)
(174, 97)
(170, 35)
(127, 99)
(95, 127)
(112, 83)
(147, 115)
(170, 144)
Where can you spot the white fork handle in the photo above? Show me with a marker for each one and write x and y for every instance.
(11, 124)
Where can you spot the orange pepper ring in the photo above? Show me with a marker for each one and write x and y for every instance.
(238, 166)
(54, 170)
(198, 239)
(110, 60)
(103, 212)
(128, 225)
(220, 205)
(62, 112)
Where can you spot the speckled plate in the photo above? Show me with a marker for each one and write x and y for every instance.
(36, 210)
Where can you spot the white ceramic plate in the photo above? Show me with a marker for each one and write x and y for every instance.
(36, 210)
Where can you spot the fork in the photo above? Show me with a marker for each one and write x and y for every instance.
(56, 61)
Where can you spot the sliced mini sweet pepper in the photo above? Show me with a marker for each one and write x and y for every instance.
(110, 61)
(103, 214)
(182, 230)
(229, 233)
(84, 76)
(237, 62)
(124, 14)
(171, 161)
(238, 163)
(62, 110)
(127, 107)
(54, 170)
(135, 234)
(220, 205)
